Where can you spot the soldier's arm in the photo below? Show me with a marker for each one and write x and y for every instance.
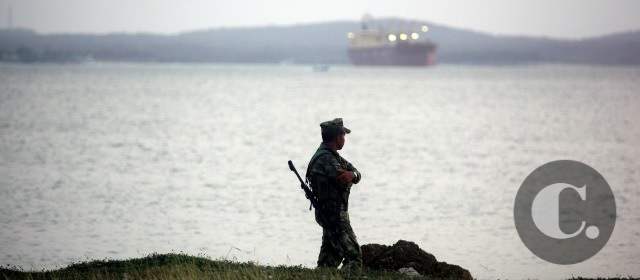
(358, 176)
(340, 166)
(333, 169)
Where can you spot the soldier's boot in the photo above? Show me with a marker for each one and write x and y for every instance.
(352, 263)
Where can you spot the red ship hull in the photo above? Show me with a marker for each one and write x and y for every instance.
(401, 54)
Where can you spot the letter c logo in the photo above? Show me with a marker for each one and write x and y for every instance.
(561, 230)
(545, 212)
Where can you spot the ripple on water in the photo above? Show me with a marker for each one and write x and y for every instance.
(459, 148)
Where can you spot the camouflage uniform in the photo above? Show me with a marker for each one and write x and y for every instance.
(338, 240)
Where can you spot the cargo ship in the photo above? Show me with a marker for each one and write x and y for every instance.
(400, 47)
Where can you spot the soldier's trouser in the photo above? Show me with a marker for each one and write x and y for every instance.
(339, 245)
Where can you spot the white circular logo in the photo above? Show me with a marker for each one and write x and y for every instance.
(564, 212)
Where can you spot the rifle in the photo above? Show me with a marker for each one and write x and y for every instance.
(307, 191)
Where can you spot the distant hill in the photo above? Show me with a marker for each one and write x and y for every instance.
(311, 43)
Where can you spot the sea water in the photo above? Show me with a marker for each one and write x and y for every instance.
(122, 160)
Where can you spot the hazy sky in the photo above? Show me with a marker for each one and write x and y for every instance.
(556, 18)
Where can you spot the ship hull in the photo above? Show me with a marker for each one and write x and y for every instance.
(401, 54)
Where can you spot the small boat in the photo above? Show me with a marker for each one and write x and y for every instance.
(320, 68)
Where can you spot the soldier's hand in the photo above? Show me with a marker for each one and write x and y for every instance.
(346, 177)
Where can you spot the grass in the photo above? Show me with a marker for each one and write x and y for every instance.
(181, 266)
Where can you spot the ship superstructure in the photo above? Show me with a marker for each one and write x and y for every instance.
(407, 46)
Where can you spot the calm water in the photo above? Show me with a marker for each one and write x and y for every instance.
(119, 160)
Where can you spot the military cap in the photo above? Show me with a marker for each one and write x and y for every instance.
(334, 126)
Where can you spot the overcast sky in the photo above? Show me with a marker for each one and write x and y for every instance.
(554, 18)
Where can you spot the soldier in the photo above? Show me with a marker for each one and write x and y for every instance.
(331, 178)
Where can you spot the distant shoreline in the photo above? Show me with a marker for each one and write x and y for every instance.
(313, 43)
(311, 65)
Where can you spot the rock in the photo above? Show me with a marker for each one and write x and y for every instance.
(402, 254)
(406, 254)
(409, 271)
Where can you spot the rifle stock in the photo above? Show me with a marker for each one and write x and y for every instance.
(307, 191)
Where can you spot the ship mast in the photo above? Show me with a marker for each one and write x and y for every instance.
(366, 19)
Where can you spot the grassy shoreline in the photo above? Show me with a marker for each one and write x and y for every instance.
(182, 266)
